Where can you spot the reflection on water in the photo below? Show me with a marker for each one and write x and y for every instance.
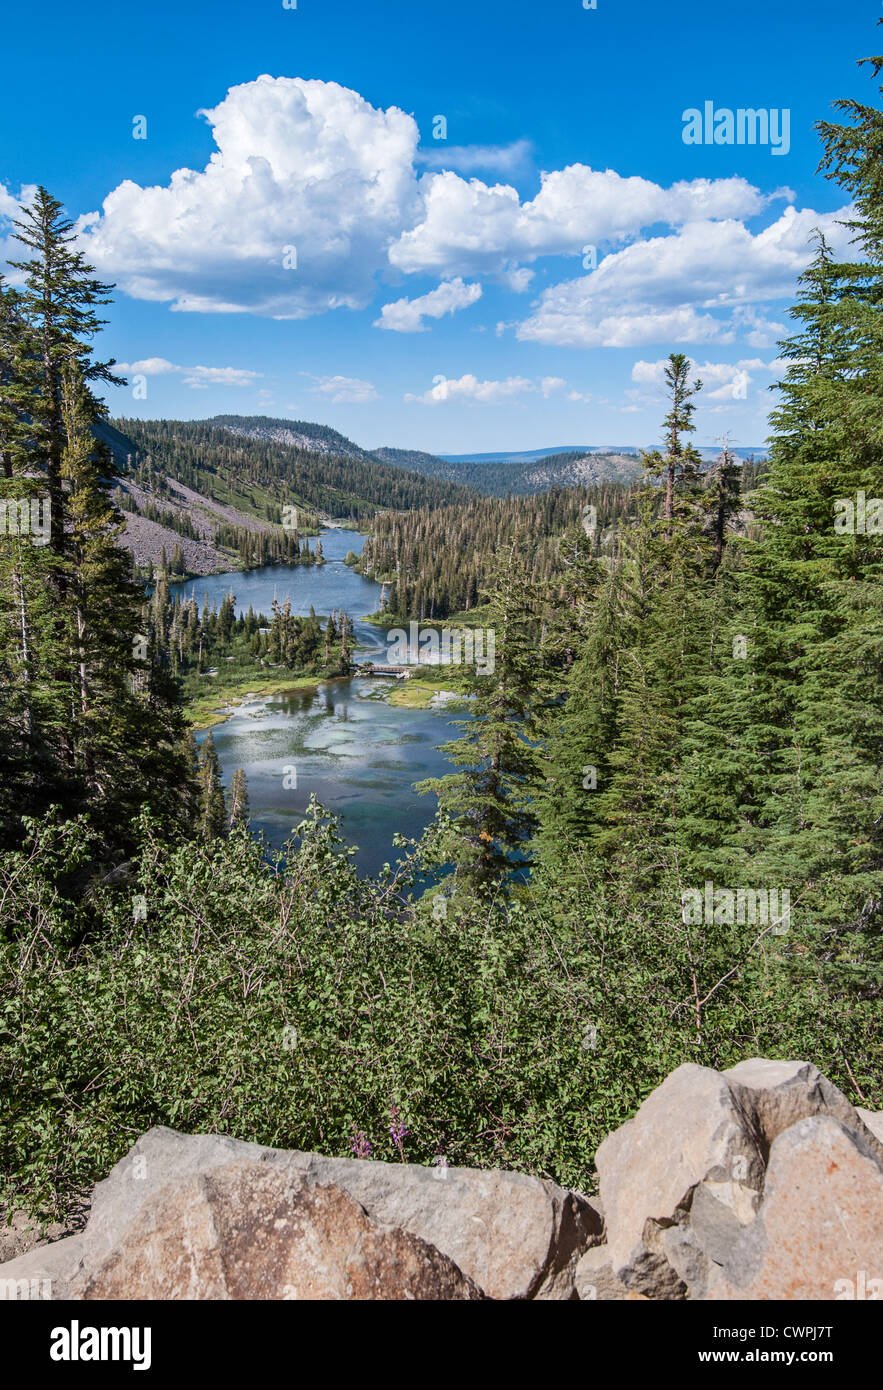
(343, 744)
(358, 756)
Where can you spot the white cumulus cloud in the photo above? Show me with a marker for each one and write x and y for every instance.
(693, 286)
(407, 315)
(471, 227)
(344, 388)
(469, 388)
(291, 216)
(194, 377)
(312, 195)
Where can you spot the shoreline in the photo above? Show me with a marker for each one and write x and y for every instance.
(217, 703)
(230, 695)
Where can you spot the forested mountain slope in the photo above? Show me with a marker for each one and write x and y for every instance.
(296, 434)
(260, 474)
(520, 478)
(213, 499)
(524, 474)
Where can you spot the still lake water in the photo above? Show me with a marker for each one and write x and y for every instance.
(359, 755)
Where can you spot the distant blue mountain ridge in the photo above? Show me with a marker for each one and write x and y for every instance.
(533, 455)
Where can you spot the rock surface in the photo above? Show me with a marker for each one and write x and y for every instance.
(872, 1120)
(759, 1182)
(686, 1186)
(512, 1235)
(689, 1131)
(775, 1095)
(252, 1230)
(596, 1282)
(820, 1223)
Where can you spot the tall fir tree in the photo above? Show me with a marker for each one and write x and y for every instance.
(679, 463)
(81, 726)
(212, 812)
(237, 800)
(59, 300)
(488, 801)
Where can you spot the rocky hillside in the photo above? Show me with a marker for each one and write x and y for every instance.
(761, 1182)
(147, 538)
(161, 513)
(295, 434)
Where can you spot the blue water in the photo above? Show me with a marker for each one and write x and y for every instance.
(341, 741)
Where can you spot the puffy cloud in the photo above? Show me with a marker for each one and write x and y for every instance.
(666, 288)
(517, 280)
(406, 315)
(10, 206)
(194, 377)
(344, 388)
(568, 318)
(291, 216)
(10, 249)
(504, 159)
(722, 381)
(312, 193)
(148, 366)
(475, 228)
(469, 388)
(552, 384)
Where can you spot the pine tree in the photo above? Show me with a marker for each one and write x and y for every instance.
(816, 577)
(238, 799)
(123, 737)
(59, 301)
(579, 728)
(83, 730)
(722, 498)
(612, 746)
(212, 812)
(680, 462)
(19, 386)
(488, 800)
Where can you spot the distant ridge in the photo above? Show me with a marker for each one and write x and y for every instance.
(414, 459)
(495, 474)
(534, 455)
(297, 434)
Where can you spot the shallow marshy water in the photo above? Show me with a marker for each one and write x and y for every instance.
(339, 741)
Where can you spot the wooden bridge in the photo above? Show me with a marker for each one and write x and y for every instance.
(368, 668)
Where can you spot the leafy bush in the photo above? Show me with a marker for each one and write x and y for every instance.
(291, 1003)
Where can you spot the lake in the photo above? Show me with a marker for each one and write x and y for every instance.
(340, 742)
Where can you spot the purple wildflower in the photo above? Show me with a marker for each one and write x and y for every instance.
(397, 1130)
(360, 1143)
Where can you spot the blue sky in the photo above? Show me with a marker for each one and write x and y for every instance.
(326, 258)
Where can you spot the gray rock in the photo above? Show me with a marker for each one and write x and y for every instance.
(714, 1223)
(513, 1235)
(48, 1270)
(689, 1131)
(596, 1282)
(819, 1231)
(253, 1230)
(159, 1157)
(775, 1095)
(872, 1120)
